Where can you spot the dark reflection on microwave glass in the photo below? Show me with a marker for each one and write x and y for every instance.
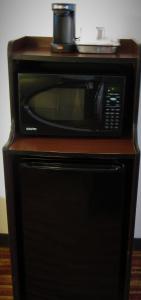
(59, 104)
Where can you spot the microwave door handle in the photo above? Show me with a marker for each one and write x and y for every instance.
(99, 100)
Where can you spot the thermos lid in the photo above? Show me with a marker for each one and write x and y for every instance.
(63, 6)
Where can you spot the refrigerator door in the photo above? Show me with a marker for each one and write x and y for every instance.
(72, 229)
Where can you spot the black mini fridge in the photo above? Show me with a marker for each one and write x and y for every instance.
(72, 226)
(72, 221)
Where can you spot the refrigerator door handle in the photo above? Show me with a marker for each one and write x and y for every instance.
(97, 168)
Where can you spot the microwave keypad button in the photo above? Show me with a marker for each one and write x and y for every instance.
(113, 99)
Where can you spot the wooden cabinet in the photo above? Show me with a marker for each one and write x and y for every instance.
(71, 201)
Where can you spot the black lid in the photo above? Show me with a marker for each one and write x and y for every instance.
(63, 6)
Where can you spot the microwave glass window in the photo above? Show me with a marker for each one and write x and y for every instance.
(59, 104)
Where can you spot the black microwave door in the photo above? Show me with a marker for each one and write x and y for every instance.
(65, 102)
(71, 218)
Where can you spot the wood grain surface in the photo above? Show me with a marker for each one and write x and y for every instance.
(74, 145)
(40, 47)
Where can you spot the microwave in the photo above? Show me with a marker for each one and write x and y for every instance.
(71, 104)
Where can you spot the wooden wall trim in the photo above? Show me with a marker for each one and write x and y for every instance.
(4, 240)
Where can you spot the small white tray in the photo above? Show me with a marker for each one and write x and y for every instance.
(98, 46)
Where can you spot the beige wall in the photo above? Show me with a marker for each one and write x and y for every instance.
(3, 216)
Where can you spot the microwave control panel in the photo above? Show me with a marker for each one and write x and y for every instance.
(113, 108)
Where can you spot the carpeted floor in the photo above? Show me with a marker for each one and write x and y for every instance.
(6, 282)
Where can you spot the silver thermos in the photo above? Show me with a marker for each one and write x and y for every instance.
(63, 27)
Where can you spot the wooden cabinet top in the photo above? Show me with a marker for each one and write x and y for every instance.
(74, 145)
(38, 48)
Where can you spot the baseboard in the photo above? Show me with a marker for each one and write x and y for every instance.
(137, 244)
(4, 240)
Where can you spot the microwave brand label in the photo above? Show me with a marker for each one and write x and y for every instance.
(31, 128)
